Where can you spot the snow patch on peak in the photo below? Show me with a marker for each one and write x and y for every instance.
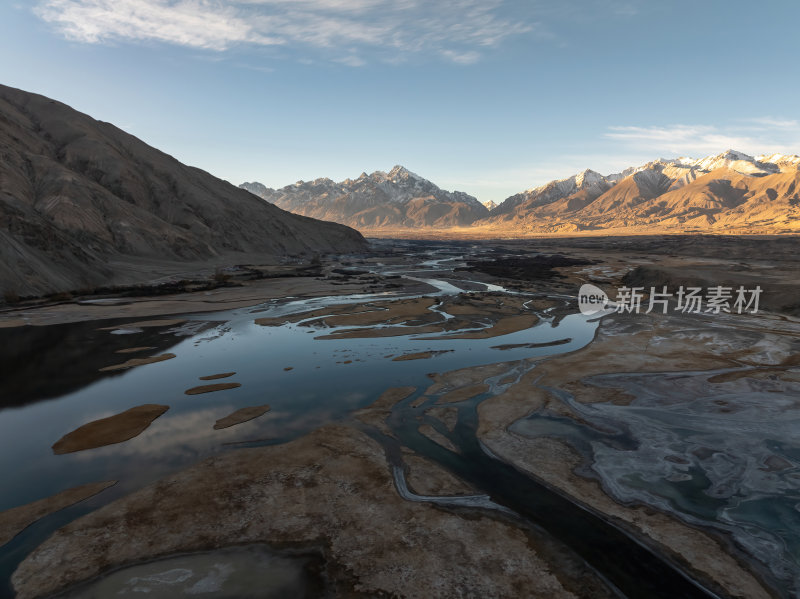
(731, 159)
(780, 159)
(585, 178)
(588, 177)
(736, 155)
(400, 172)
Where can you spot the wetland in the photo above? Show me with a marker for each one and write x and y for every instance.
(426, 418)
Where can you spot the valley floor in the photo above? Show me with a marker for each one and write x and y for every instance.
(443, 422)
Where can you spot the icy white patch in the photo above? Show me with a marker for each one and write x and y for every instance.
(213, 581)
(147, 584)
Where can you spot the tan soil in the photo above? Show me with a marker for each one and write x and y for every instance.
(437, 437)
(211, 388)
(240, 416)
(143, 324)
(134, 362)
(504, 326)
(331, 487)
(108, 431)
(463, 393)
(15, 520)
(376, 413)
(214, 377)
(420, 355)
(425, 477)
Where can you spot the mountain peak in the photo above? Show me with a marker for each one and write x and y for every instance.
(731, 154)
(780, 159)
(400, 172)
(587, 177)
(398, 169)
(397, 198)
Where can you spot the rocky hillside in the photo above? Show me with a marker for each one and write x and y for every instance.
(394, 200)
(728, 193)
(82, 203)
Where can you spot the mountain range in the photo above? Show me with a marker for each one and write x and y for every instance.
(85, 204)
(731, 192)
(394, 200)
(82, 203)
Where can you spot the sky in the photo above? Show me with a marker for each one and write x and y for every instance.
(490, 97)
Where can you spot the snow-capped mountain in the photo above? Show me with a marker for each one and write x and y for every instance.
(588, 183)
(737, 161)
(780, 160)
(726, 192)
(490, 205)
(397, 199)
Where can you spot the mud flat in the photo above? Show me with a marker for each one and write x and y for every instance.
(461, 316)
(222, 298)
(590, 422)
(426, 477)
(214, 377)
(108, 431)
(144, 324)
(133, 350)
(504, 326)
(17, 519)
(332, 488)
(376, 413)
(431, 433)
(212, 388)
(425, 355)
(134, 362)
(240, 416)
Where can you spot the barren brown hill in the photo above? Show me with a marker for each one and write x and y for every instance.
(664, 197)
(82, 203)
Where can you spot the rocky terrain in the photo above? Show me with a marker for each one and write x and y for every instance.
(83, 203)
(397, 199)
(731, 192)
(728, 193)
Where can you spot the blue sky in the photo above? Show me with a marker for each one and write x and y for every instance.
(486, 96)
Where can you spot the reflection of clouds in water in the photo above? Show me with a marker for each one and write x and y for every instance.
(181, 434)
(289, 422)
(352, 399)
(191, 433)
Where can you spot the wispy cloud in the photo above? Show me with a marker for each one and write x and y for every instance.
(469, 57)
(455, 30)
(752, 135)
(195, 23)
(773, 123)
